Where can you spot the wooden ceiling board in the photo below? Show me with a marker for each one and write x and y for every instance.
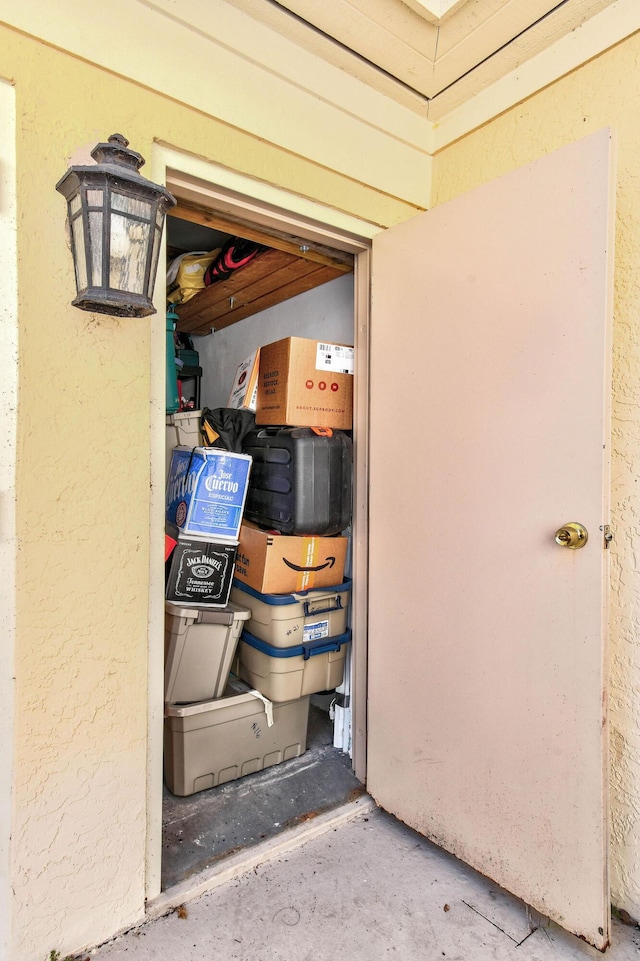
(484, 38)
(486, 27)
(535, 40)
(474, 15)
(203, 216)
(296, 284)
(400, 56)
(271, 278)
(327, 48)
(402, 22)
(467, 38)
(214, 300)
(436, 11)
(403, 51)
(394, 19)
(405, 45)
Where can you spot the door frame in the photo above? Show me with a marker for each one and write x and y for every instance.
(8, 545)
(256, 202)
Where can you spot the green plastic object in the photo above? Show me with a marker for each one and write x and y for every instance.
(173, 399)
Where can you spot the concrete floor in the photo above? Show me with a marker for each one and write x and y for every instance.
(201, 830)
(358, 886)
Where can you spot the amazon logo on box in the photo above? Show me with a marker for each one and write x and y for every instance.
(273, 563)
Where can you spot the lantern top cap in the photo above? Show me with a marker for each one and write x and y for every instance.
(116, 152)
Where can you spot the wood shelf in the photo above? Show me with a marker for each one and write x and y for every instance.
(271, 278)
(277, 274)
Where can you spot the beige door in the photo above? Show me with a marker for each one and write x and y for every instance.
(489, 412)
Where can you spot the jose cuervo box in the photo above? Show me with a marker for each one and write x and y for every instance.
(206, 491)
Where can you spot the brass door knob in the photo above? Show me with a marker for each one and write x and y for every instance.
(572, 535)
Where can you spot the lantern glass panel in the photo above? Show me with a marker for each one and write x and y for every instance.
(130, 205)
(96, 218)
(80, 253)
(94, 198)
(75, 205)
(129, 245)
(157, 237)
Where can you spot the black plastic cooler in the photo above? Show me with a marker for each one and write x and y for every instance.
(300, 480)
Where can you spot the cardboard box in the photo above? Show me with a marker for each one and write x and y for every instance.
(244, 393)
(305, 383)
(281, 563)
(206, 491)
(200, 572)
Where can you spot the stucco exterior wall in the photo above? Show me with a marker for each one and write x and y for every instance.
(602, 93)
(83, 494)
(83, 446)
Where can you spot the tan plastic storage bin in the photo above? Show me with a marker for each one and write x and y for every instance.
(282, 674)
(200, 643)
(187, 426)
(286, 619)
(182, 428)
(171, 441)
(212, 742)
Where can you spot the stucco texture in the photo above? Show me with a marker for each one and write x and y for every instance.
(83, 484)
(83, 477)
(602, 93)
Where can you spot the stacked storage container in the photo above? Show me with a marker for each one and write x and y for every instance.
(294, 644)
(291, 555)
(216, 727)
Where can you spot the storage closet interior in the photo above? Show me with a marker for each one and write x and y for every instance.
(290, 288)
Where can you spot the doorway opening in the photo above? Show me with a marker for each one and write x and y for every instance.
(313, 290)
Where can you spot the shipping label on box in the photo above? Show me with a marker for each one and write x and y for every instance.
(201, 572)
(334, 357)
(206, 491)
(244, 393)
(283, 564)
(305, 383)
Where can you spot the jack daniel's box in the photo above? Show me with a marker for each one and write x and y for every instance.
(200, 572)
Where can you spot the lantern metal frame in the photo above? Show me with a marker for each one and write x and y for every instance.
(116, 218)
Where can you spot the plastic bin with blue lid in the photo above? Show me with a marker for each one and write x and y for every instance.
(286, 673)
(284, 620)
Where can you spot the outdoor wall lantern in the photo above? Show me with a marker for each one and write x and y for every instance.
(116, 218)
